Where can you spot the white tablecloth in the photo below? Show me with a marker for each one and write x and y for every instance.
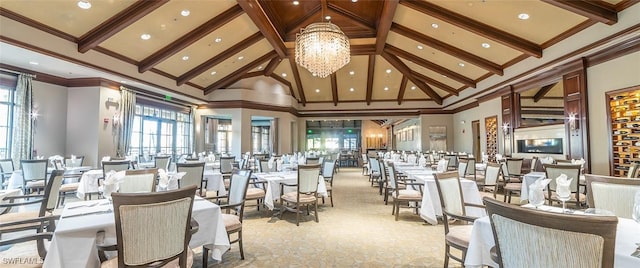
(274, 179)
(74, 241)
(16, 177)
(531, 177)
(431, 208)
(481, 242)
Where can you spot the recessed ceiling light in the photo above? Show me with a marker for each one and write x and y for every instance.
(351, 89)
(284, 74)
(185, 12)
(352, 72)
(434, 25)
(218, 40)
(486, 45)
(388, 71)
(413, 87)
(420, 47)
(327, 17)
(523, 16)
(444, 76)
(260, 67)
(185, 57)
(461, 64)
(34, 63)
(353, 1)
(84, 4)
(295, 3)
(214, 73)
(122, 81)
(241, 58)
(317, 90)
(145, 36)
(386, 88)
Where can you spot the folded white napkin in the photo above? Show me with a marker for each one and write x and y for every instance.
(270, 163)
(562, 185)
(73, 159)
(442, 166)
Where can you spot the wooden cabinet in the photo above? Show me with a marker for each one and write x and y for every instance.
(624, 117)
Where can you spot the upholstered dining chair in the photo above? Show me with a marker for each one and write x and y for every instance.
(71, 162)
(633, 172)
(162, 162)
(263, 165)
(534, 238)
(312, 160)
(226, 168)
(141, 241)
(115, 165)
(490, 185)
(6, 169)
(233, 211)
(612, 193)
(306, 192)
(139, 181)
(328, 170)
(375, 170)
(365, 164)
(571, 171)
(43, 220)
(469, 171)
(34, 174)
(405, 192)
(509, 187)
(514, 169)
(454, 208)
(194, 175)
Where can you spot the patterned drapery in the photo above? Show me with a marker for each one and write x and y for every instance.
(127, 113)
(22, 133)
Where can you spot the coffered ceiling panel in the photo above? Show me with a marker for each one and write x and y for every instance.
(353, 76)
(386, 80)
(315, 88)
(164, 25)
(433, 75)
(284, 70)
(412, 92)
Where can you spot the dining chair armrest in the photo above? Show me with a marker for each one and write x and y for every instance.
(195, 226)
(42, 220)
(460, 217)
(15, 204)
(103, 245)
(25, 238)
(289, 184)
(474, 205)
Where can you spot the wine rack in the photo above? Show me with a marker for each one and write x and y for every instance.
(624, 114)
(491, 128)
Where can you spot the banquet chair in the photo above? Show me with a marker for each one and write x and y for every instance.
(467, 168)
(162, 162)
(612, 193)
(514, 168)
(365, 164)
(374, 171)
(139, 181)
(263, 166)
(633, 172)
(312, 160)
(454, 208)
(34, 174)
(490, 184)
(69, 162)
(6, 169)
(389, 176)
(571, 171)
(306, 192)
(527, 237)
(42, 221)
(139, 235)
(404, 192)
(452, 161)
(194, 176)
(233, 211)
(328, 169)
(509, 187)
(115, 165)
(226, 168)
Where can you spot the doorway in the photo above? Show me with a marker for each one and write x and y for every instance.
(475, 133)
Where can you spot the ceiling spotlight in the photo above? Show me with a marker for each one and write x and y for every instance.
(185, 12)
(214, 73)
(352, 72)
(34, 63)
(185, 57)
(386, 88)
(486, 45)
(317, 90)
(327, 17)
(523, 16)
(84, 4)
(413, 87)
(295, 3)
(420, 47)
(218, 40)
(351, 89)
(388, 71)
(284, 74)
(241, 58)
(260, 67)
(145, 36)
(122, 81)
(461, 64)
(353, 1)
(434, 25)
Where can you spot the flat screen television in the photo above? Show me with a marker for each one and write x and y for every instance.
(540, 146)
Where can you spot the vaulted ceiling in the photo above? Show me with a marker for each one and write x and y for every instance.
(401, 50)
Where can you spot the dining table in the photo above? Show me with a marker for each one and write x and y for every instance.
(275, 179)
(16, 180)
(531, 177)
(482, 240)
(74, 240)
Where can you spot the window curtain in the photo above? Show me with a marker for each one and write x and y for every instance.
(22, 133)
(127, 114)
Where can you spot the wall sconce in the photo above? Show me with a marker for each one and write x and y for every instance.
(116, 120)
(34, 115)
(505, 130)
(573, 124)
(462, 122)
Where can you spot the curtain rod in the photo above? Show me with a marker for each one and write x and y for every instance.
(16, 72)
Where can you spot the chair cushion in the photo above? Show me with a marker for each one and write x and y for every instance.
(10, 217)
(255, 193)
(304, 198)
(113, 263)
(231, 222)
(35, 184)
(328, 187)
(554, 197)
(459, 235)
(513, 186)
(69, 187)
(478, 177)
(408, 194)
(487, 194)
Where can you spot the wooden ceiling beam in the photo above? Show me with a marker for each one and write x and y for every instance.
(115, 24)
(302, 22)
(384, 24)
(271, 66)
(449, 49)
(430, 65)
(403, 87)
(296, 76)
(352, 16)
(260, 19)
(203, 67)
(404, 69)
(543, 91)
(370, 70)
(235, 76)
(479, 28)
(435, 83)
(594, 10)
(251, 74)
(334, 88)
(189, 38)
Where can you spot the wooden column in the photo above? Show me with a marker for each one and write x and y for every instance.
(509, 115)
(575, 106)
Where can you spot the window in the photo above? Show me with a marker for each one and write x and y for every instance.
(224, 136)
(7, 88)
(260, 141)
(160, 131)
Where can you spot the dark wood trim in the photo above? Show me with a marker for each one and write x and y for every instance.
(243, 104)
(429, 65)
(591, 9)
(566, 34)
(115, 55)
(403, 87)
(467, 106)
(376, 100)
(163, 73)
(296, 76)
(271, 66)
(352, 16)
(42, 77)
(251, 74)
(217, 59)
(285, 82)
(370, 70)
(476, 27)
(435, 83)
(193, 85)
(545, 98)
(34, 24)
(544, 111)
(257, 14)
(406, 71)
(626, 47)
(189, 38)
(384, 24)
(233, 77)
(300, 23)
(334, 88)
(625, 4)
(117, 23)
(449, 49)
(543, 91)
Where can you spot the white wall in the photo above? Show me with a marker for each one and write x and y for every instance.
(82, 128)
(464, 141)
(428, 120)
(619, 73)
(50, 101)
(409, 145)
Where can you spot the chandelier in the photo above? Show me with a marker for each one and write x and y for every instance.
(322, 48)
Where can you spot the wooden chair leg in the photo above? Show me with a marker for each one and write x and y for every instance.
(316, 212)
(239, 245)
(205, 256)
(446, 256)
